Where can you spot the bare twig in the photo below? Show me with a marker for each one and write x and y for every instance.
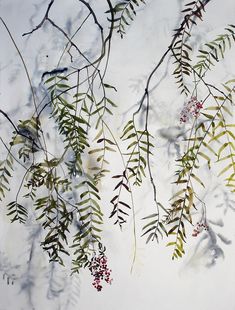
(23, 62)
(42, 22)
(92, 13)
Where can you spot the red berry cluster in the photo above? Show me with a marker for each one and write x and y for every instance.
(191, 108)
(200, 226)
(100, 271)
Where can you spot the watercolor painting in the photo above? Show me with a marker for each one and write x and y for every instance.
(117, 158)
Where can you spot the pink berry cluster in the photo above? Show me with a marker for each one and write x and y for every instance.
(100, 271)
(191, 108)
(200, 226)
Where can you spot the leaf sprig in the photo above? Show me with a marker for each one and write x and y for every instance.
(6, 169)
(138, 148)
(124, 13)
(181, 49)
(90, 218)
(213, 51)
(120, 207)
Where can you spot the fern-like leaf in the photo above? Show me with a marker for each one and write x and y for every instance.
(124, 13)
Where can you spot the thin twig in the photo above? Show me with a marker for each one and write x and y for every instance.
(42, 22)
(8, 118)
(23, 62)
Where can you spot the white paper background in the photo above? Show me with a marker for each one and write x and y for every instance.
(156, 280)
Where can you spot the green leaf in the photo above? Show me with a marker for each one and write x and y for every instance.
(109, 86)
(197, 179)
(171, 243)
(225, 169)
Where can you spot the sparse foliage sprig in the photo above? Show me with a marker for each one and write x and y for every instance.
(120, 207)
(214, 51)
(6, 169)
(89, 221)
(124, 13)
(137, 149)
(181, 48)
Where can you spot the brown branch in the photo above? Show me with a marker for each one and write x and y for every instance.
(8, 118)
(92, 13)
(183, 23)
(43, 20)
(70, 41)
